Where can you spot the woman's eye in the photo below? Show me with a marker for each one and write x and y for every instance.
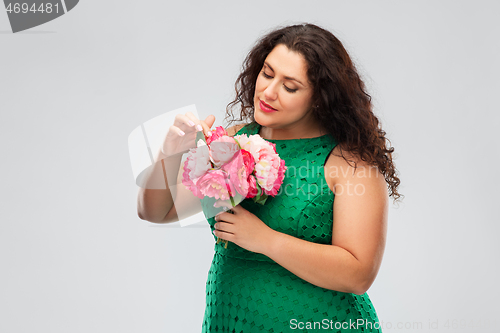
(266, 76)
(290, 90)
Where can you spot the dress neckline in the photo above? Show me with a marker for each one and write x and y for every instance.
(259, 126)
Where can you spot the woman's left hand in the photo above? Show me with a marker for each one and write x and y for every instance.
(244, 229)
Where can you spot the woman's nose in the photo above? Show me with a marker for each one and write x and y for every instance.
(271, 92)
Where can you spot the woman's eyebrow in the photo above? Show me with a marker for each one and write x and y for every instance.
(286, 77)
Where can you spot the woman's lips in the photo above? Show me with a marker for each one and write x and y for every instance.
(266, 108)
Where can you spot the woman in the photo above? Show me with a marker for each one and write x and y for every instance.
(306, 258)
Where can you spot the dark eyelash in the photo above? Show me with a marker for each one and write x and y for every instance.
(286, 88)
(265, 75)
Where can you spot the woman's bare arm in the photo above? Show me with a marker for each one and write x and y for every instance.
(153, 202)
(351, 263)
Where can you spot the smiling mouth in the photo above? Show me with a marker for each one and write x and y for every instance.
(266, 107)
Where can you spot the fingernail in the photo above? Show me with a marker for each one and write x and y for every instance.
(199, 127)
(190, 123)
(181, 133)
(209, 133)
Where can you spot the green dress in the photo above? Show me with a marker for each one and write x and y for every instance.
(249, 292)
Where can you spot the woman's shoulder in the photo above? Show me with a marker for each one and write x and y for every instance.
(232, 130)
(344, 166)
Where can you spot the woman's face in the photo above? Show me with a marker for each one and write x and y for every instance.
(283, 92)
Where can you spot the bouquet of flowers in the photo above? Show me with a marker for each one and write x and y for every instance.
(231, 169)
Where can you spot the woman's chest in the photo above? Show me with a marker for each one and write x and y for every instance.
(303, 206)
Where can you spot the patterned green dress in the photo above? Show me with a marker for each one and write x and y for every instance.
(249, 292)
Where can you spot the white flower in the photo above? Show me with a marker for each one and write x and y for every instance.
(198, 162)
(222, 150)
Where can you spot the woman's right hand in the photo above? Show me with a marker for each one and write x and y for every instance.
(181, 136)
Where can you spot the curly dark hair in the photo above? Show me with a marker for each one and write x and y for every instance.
(343, 107)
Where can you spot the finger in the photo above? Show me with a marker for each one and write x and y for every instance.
(224, 227)
(195, 119)
(210, 120)
(177, 130)
(206, 128)
(185, 120)
(224, 216)
(237, 209)
(223, 235)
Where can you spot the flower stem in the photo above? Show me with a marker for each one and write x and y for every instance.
(220, 240)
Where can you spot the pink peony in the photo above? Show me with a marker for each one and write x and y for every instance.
(196, 165)
(255, 144)
(239, 169)
(252, 187)
(214, 184)
(279, 180)
(269, 168)
(222, 150)
(217, 133)
(198, 162)
(266, 171)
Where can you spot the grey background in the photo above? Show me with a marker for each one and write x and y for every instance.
(76, 258)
